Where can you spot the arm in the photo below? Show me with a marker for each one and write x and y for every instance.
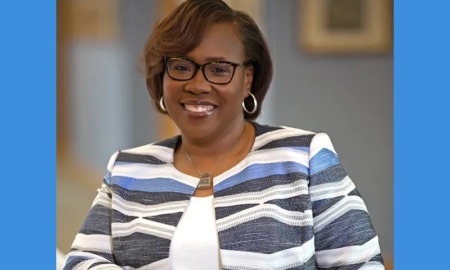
(92, 247)
(343, 232)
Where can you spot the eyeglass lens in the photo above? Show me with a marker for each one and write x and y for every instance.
(215, 72)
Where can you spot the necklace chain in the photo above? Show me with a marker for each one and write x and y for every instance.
(206, 177)
(199, 172)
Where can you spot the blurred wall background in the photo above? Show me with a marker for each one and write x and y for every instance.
(103, 104)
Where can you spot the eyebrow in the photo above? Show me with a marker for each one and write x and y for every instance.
(208, 59)
(216, 59)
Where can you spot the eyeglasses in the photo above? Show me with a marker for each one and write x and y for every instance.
(217, 72)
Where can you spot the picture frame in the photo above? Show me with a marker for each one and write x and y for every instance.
(346, 26)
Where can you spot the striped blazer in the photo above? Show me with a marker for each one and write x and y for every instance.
(288, 205)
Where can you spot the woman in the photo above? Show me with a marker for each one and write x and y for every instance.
(228, 193)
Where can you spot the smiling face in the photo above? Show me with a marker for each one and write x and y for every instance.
(204, 110)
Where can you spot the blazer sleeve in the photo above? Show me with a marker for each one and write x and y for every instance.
(92, 247)
(343, 232)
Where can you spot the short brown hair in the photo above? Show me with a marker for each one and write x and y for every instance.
(181, 32)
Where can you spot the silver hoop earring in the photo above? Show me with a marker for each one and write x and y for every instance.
(161, 104)
(255, 104)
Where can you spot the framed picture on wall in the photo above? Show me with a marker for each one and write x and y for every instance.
(345, 26)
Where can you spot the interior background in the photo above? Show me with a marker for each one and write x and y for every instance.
(103, 104)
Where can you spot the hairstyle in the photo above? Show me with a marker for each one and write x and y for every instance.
(182, 31)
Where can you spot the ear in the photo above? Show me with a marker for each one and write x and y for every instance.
(248, 79)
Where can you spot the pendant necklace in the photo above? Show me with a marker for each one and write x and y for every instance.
(206, 177)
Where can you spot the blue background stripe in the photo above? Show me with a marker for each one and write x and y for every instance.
(152, 185)
(28, 83)
(259, 171)
(323, 160)
(421, 117)
(300, 148)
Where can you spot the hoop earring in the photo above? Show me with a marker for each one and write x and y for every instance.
(255, 104)
(161, 104)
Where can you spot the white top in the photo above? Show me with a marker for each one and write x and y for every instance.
(195, 244)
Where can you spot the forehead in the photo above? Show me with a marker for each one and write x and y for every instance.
(220, 41)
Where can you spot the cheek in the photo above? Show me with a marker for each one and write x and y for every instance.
(234, 95)
(166, 84)
(241, 87)
(169, 87)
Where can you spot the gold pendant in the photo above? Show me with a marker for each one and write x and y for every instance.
(205, 181)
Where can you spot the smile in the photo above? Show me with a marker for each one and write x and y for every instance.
(198, 108)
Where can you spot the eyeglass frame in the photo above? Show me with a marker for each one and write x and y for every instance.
(202, 68)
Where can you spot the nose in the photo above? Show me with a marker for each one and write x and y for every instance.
(198, 84)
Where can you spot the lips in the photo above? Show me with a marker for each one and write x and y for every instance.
(198, 107)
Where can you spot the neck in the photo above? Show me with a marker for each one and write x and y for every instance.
(216, 157)
(217, 146)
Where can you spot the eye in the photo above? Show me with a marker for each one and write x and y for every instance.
(219, 69)
(180, 66)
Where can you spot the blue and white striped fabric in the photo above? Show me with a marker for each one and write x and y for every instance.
(288, 205)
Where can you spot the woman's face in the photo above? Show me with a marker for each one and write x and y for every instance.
(202, 109)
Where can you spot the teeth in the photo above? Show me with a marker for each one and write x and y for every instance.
(198, 108)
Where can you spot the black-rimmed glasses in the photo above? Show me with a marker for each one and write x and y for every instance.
(217, 72)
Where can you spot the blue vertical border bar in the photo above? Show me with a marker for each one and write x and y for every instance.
(28, 130)
(421, 136)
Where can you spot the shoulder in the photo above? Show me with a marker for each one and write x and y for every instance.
(291, 136)
(154, 153)
(321, 141)
(281, 136)
(278, 130)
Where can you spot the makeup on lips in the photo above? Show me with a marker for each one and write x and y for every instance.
(198, 108)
